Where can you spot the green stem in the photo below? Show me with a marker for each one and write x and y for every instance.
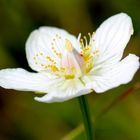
(86, 117)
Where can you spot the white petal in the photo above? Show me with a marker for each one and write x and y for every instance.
(121, 73)
(47, 41)
(112, 37)
(64, 90)
(20, 79)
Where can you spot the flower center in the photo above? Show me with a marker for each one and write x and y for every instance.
(70, 61)
(87, 53)
(72, 64)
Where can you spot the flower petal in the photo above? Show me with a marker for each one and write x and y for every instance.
(112, 37)
(64, 90)
(20, 79)
(45, 46)
(121, 73)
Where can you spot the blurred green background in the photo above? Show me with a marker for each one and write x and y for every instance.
(22, 118)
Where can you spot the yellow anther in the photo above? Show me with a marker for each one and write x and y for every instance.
(50, 59)
(62, 69)
(68, 45)
(59, 55)
(89, 34)
(85, 37)
(53, 68)
(69, 76)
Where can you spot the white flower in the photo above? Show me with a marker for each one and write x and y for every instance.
(68, 67)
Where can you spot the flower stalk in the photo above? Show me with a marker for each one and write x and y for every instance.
(86, 117)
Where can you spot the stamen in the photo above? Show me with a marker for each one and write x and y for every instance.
(85, 38)
(72, 64)
(57, 53)
(89, 34)
(52, 68)
(87, 53)
(54, 44)
(69, 76)
(79, 36)
(82, 43)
